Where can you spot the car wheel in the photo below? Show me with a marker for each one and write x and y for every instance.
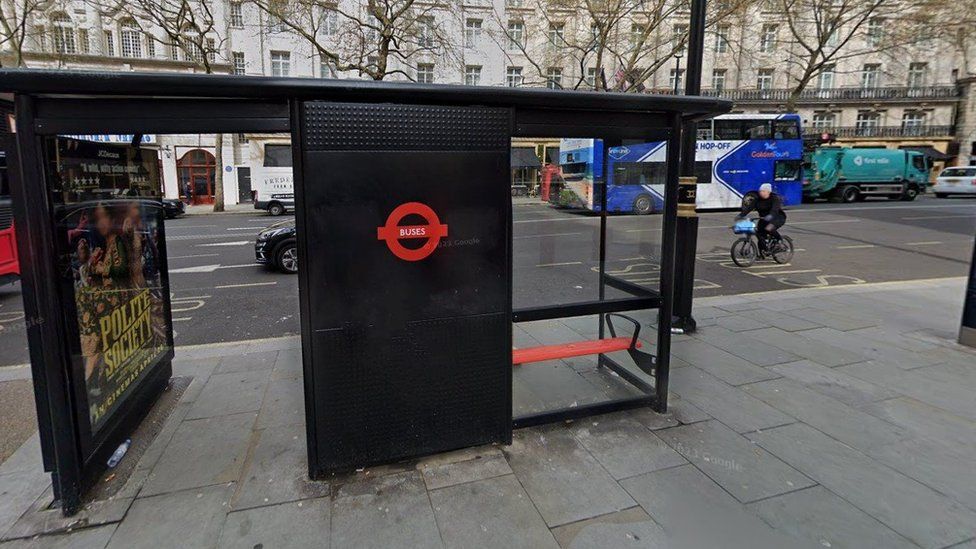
(941, 195)
(275, 208)
(286, 257)
(643, 204)
(849, 194)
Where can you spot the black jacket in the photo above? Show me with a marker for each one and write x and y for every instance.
(770, 206)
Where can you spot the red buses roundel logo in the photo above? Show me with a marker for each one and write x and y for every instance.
(393, 232)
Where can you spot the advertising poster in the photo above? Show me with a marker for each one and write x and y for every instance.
(108, 210)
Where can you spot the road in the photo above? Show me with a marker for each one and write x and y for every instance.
(219, 294)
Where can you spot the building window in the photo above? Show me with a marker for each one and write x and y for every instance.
(596, 36)
(211, 50)
(425, 73)
(329, 20)
(242, 139)
(109, 43)
(867, 123)
(680, 38)
(472, 75)
(591, 78)
(764, 79)
(236, 15)
(554, 78)
(472, 32)
(833, 38)
(871, 76)
(823, 120)
(516, 35)
(427, 31)
(327, 69)
(767, 41)
(674, 81)
(239, 66)
(174, 51)
(130, 38)
(280, 63)
(556, 35)
(637, 34)
(825, 80)
(875, 32)
(64, 34)
(722, 39)
(513, 77)
(912, 123)
(150, 46)
(917, 73)
(275, 24)
(718, 79)
(513, 3)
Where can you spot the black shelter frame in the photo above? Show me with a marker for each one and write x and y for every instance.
(68, 102)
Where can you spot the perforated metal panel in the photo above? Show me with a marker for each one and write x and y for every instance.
(405, 357)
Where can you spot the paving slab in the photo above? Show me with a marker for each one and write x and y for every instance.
(927, 421)
(233, 393)
(288, 364)
(383, 512)
(950, 397)
(833, 383)
(46, 518)
(644, 535)
(494, 512)
(194, 517)
(843, 321)
(891, 336)
(747, 472)
(87, 538)
(203, 452)
(247, 362)
(782, 321)
(745, 346)
(849, 425)
(624, 446)
(952, 373)
(729, 368)
(276, 470)
(871, 350)
(680, 412)
(908, 507)
(283, 405)
(294, 525)
(18, 491)
(948, 469)
(697, 513)
(565, 535)
(741, 322)
(811, 349)
(817, 514)
(564, 480)
(730, 405)
(462, 466)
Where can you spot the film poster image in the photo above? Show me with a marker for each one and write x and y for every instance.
(110, 213)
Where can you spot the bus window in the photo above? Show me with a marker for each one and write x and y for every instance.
(786, 129)
(277, 156)
(703, 171)
(704, 130)
(755, 129)
(728, 129)
(639, 173)
(787, 170)
(574, 168)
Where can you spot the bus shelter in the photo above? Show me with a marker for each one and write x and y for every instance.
(404, 218)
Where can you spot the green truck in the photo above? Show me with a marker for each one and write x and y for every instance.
(842, 174)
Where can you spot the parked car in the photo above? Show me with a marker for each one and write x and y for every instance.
(277, 246)
(955, 180)
(173, 207)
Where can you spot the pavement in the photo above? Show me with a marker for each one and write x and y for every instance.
(838, 417)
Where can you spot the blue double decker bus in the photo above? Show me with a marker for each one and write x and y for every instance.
(736, 153)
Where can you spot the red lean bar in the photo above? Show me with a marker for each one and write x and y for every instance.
(567, 350)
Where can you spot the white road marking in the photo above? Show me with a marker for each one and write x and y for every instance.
(183, 319)
(937, 217)
(171, 227)
(246, 285)
(191, 256)
(856, 246)
(559, 264)
(764, 273)
(236, 243)
(924, 243)
(196, 269)
(245, 228)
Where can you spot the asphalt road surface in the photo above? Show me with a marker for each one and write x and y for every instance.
(220, 294)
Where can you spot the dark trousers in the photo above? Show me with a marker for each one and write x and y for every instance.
(768, 227)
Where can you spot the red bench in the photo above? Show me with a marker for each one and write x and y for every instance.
(567, 350)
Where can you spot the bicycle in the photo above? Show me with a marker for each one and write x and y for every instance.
(746, 250)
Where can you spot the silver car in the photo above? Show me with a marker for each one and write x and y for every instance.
(955, 180)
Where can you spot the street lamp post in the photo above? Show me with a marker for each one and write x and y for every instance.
(677, 73)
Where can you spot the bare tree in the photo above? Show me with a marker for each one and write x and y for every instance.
(377, 38)
(15, 18)
(191, 31)
(824, 32)
(612, 44)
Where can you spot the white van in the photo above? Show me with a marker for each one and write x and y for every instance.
(271, 175)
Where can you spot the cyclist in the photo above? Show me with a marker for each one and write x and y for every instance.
(769, 205)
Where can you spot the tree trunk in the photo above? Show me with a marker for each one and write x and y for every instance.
(219, 173)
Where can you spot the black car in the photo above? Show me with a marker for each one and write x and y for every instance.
(173, 207)
(277, 246)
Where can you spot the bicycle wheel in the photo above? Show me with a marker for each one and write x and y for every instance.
(744, 252)
(785, 253)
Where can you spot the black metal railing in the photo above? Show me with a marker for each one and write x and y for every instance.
(839, 94)
(882, 131)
